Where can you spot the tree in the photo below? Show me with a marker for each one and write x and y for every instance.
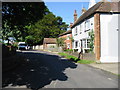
(49, 27)
(60, 42)
(30, 22)
(19, 16)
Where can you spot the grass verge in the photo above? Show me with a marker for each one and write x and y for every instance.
(75, 59)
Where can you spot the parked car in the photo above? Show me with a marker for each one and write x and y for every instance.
(23, 46)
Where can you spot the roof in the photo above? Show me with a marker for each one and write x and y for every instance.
(50, 40)
(100, 7)
(67, 32)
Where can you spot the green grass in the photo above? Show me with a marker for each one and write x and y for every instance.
(76, 59)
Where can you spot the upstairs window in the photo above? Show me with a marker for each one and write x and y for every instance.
(76, 31)
(80, 29)
(87, 25)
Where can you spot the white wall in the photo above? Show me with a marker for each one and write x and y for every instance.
(109, 37)
(83, 35)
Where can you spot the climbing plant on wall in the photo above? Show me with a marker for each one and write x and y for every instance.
(91, 34)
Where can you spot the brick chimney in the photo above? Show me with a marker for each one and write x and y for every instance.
(83, 10)
(71, 25)
(104, 1)
(75, 15)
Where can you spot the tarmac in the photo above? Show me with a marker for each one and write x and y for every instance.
(109, 67)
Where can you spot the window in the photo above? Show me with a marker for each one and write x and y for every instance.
(80, 29)
(86, 43)
(75, 30)
(87, 25)
(76, 44)
(68, 46)
(83, 43)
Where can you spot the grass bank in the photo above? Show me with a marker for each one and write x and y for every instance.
(75, 59)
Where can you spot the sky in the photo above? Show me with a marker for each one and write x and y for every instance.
(66, 9)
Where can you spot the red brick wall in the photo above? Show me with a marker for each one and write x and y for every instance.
(97, 35)
(67, 41)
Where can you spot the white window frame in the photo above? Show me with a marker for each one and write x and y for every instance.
(76, 30)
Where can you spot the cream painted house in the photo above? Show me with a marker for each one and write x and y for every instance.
(102, 18)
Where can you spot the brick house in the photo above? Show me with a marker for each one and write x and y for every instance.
(102, 18)
(49, 42)
(67, 35)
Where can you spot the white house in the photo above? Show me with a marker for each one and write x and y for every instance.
(102, 18)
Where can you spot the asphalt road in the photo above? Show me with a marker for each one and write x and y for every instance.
(46, 70)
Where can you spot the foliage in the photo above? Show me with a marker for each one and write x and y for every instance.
(30, 22)
(52, 46)
(67, 50)
(17, 17)
(91, 34)
(86, 61)
(76, 59)
(29, 40)
(49, 27)
(60, 42)
(71, 38)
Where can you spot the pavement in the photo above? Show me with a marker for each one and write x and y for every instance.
(47, 70)
(110, 67)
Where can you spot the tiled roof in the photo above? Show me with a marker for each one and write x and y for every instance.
(67, 32)
(50, 40)
(101, 7)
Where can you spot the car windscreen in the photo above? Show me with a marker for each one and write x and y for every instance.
(22, 45)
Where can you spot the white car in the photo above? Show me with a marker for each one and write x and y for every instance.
(22, 46)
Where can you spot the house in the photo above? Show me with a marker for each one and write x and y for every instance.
(49, 42)
(68, 38)
(102, 18)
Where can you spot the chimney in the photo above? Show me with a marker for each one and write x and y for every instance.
(71, 25)
(75, 15)
(83, 10)
(104, 0)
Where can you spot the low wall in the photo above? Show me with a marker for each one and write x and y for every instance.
(89, 56)
(85, 56)
(37, 47)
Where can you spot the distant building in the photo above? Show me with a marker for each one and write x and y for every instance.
(68, 36)
(102, 18)
(49, 42)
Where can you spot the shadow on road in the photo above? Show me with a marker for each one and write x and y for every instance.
(37, 71)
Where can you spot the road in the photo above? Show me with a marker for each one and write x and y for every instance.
(46, 70)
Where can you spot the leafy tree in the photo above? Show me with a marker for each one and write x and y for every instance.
(19, 16)
(30, 22)
(60, 42)
(49, 27)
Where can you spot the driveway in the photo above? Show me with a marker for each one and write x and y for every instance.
(45, 70)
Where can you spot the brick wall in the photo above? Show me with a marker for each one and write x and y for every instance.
(67, 41)
(97, 35)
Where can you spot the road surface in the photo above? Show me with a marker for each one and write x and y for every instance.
(46, 70)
